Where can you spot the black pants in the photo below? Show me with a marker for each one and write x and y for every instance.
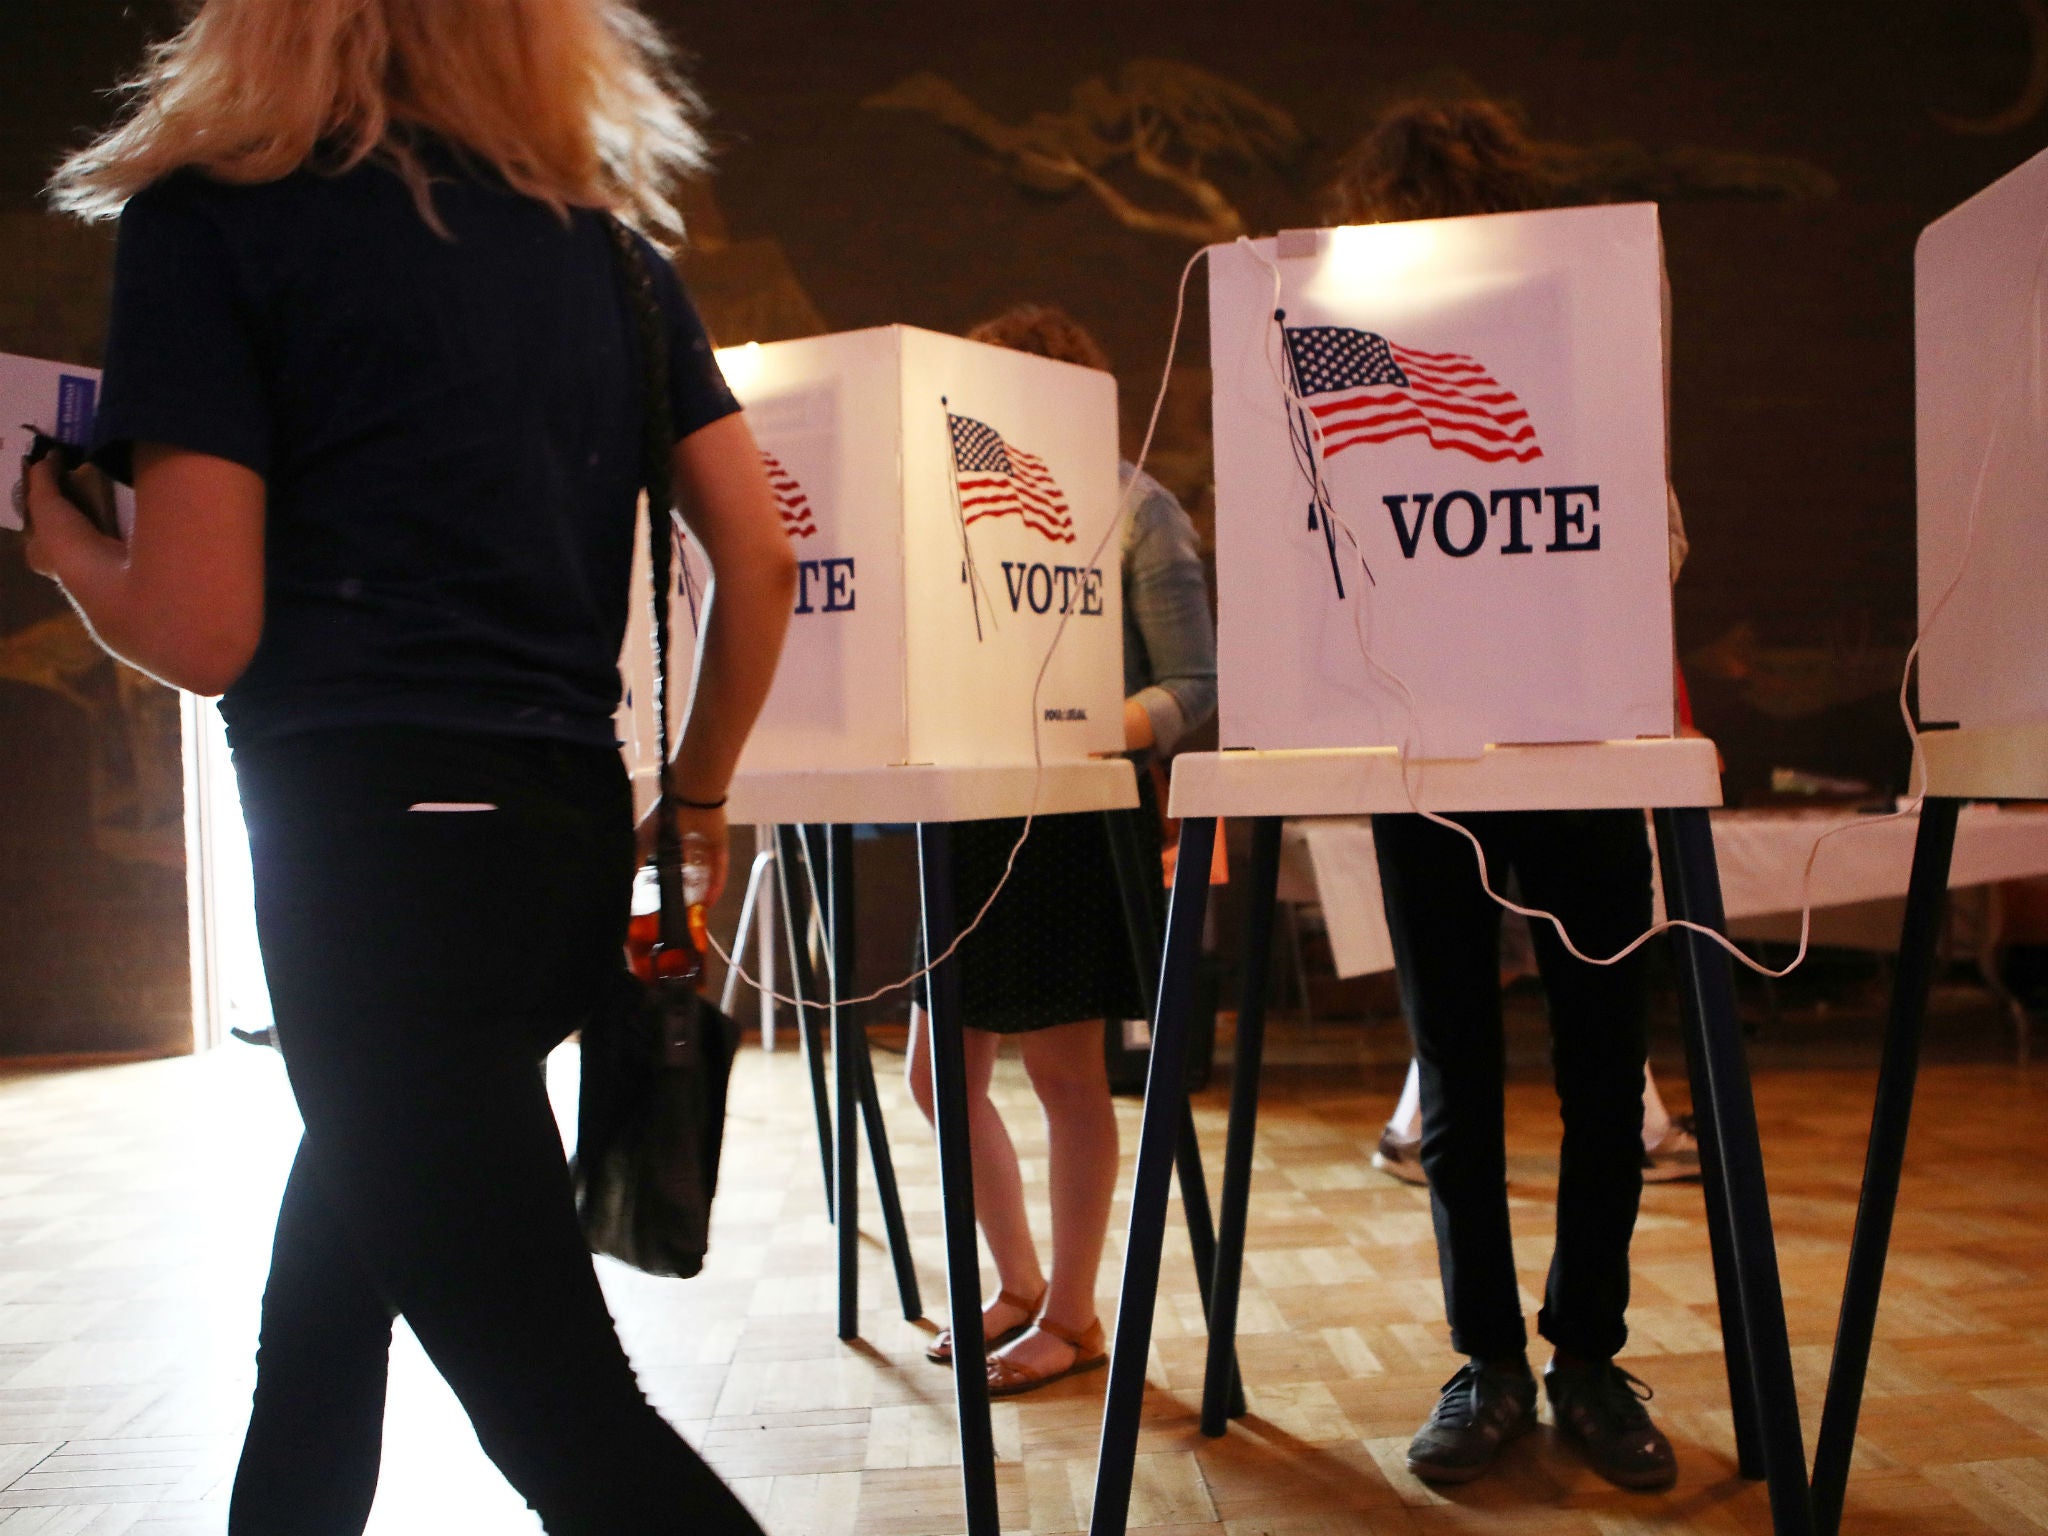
(421, 965)
(1592, 868)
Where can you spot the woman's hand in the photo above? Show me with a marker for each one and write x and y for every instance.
(714, 845)
(52, 524)
(1138, 732)
(182, 598)
(706, 837)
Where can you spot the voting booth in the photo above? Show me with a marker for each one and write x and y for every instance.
(949, 504)
(953, 508)
(1978, 277)
(1441, 445)
(1979, 274)
(1442, 528)
(57, 399)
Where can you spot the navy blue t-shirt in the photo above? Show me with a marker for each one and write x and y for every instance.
(449, 430)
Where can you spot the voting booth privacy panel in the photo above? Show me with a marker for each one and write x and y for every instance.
(1979, 276)
(57, 399)
(946, 500)
(1443, 443)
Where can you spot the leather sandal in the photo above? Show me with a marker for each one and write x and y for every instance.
(940, 1350)
(1006, 1378)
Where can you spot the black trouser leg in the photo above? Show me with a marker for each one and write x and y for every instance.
(420, 966)
(323, 1321)
(1446, 937)
(1592, 868)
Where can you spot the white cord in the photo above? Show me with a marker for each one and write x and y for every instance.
(1409, 761)
(1037, 715)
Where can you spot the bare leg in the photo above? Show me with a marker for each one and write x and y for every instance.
(998, 1186)
(1406, 1122)
(1656, 1118)
(1066, 1067)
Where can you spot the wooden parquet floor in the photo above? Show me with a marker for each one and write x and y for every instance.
(135, 1200)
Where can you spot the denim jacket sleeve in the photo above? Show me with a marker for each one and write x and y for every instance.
(1169, 635)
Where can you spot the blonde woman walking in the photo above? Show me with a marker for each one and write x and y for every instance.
(371, 372)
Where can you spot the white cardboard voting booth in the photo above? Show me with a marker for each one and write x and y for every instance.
(946, 500)
(58, 399)
(1472, 410)
(1979, 279)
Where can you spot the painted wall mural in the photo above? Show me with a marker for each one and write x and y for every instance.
(931, 162)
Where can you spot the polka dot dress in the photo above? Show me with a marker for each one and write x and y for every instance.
(1055, 948)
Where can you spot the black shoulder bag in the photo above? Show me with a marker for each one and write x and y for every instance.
(656, 1059)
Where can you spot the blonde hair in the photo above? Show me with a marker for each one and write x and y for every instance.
(575, 102)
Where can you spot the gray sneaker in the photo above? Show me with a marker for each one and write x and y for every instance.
(1477, 1412)
(1600, 1406)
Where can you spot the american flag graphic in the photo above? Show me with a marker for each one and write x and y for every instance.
(998, 479)
(1378, 391)
(789, 499)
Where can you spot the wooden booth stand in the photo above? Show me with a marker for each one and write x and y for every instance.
(1679, 781)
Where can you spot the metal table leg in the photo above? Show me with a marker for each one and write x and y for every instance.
(830, 850)
(1890, 1120)
(764, 937)
(851, 1054)
(856, 1041)
(1220, 1382)
(907, 1291)
(1136, 884)
(1735, 1343)
(1692, 889)
(803, 985)
(956, 1181)
(1165, 1104)
(753, 902)
(1194, 1205)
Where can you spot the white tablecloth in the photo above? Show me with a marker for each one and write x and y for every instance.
(1762, 856)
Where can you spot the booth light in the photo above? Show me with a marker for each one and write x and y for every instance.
(1361, 258)
(741, 365)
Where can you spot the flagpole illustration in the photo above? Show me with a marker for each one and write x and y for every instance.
(968, 573)
(1318, 505)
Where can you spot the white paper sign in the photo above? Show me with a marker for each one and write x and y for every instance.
(57, 399)
(1467, 484)
(1979, 277)
(947, 501)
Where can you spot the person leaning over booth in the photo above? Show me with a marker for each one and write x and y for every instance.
(1591, 868)
(371, 369)
(1052, 959)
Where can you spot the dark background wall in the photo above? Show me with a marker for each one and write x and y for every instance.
(1792, 342)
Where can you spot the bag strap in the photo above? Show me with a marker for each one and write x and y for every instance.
(650, 347)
